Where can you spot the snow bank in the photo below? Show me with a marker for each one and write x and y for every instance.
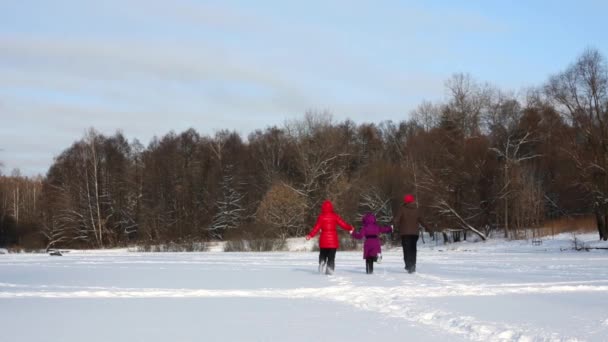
(564, 242)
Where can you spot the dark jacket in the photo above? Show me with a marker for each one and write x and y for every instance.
(407, 219)
(326, 222)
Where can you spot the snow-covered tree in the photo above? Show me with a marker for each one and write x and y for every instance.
(229, 207)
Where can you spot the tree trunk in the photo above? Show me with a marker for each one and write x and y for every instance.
(443, 205)
(506, 202)
(605, 225)
(602, 220)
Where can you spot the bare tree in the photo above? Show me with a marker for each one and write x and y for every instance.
(319, 155)
(373, 200)
(502, 113)
(427, 115)
(452, 172)
(467, 100)
(16, 194)
(55, 227)
(478, 159)
(445, 208)
(510, 152)
(282, 211)
(91, 166)
(270, 148)
(581, 94)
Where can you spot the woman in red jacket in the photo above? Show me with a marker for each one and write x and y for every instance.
(328, 242)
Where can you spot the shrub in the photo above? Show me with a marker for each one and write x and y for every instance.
(583, 224)
(261, 245)
(175, 247)
(255, 245)
(235, 246)
(347, 243)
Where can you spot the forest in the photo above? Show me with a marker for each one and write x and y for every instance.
(483, 158)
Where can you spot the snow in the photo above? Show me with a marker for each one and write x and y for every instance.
(493, 291)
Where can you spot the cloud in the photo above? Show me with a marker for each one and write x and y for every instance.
(123, 60)
(107, 67)
(219, 16)
(32, 134)
(148, 67)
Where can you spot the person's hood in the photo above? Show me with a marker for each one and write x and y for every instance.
(368, 218)
(327, 207)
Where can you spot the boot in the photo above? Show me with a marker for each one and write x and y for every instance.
(322, 267)
(331, 263)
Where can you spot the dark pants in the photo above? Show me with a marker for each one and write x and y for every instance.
(408, 242)
(327, 256)
(369, 265)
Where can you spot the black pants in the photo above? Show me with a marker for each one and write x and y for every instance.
(327, 256)
(369, 265)
(408, 242)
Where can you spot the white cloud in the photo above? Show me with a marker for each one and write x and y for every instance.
(148, 67)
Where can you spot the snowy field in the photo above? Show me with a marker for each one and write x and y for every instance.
(494, 291)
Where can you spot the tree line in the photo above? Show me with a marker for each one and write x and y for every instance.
(482, 159)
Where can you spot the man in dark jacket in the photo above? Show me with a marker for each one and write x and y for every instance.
(406, 221)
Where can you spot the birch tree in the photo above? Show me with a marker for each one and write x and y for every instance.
(512, 155)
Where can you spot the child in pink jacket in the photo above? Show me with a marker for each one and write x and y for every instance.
(372, 247)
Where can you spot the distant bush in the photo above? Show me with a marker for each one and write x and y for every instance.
(175, 247)
(578, 244)
(255, 245)
(268, 245)
(261, 245)
(280, 245)
(235, 246)
(348, 243)
(17, 249)
(582, 224)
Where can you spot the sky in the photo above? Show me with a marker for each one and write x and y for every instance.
(148, 67)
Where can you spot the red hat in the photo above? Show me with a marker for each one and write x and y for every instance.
(409, 198)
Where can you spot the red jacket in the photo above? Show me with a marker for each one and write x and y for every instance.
(327, 222)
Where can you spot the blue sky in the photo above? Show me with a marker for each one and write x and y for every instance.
(147, 67)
